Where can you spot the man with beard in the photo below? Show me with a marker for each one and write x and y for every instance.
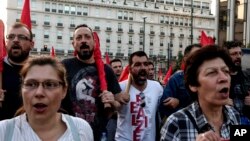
(18, 45)
(240, 82)
(137, 119)
(84, 98)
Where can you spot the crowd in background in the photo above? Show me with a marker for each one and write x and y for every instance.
(80, 98)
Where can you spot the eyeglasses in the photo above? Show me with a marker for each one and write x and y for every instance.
(20, 37)
(48, 84)
(143, 103)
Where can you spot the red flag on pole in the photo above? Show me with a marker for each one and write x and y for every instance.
(205, 40)
(25, 17)
(99, 62)
(52, 53)
(124, 74)
(107, 58)
(2, 45)
(168, 75)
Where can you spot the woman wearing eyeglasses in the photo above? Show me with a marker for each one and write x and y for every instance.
(43, 88)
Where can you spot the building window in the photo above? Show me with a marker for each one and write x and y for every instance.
(131, 16)
(85, 11)
(60, 8)
(73, 10)
(151, 41)
(59, 35)
(169, 1)
(108, 39)
(119, 49)
(167, 20)
(47, 6)
(53, 7)
(119, 14)
(141, 40)
(125, 15)
(66, 9)
(97, 12)
(20, 3)
(47, 20)
(33, 3)
(46, 34)
(108, 13)
(130, 40)
(119, 39)
(119, 26)
(79, 10)
(161, 42)
(130, 51)
(161, 19)
(108, 48)
(151, 51)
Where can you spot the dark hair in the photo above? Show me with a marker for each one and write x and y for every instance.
(83, 25)
(115, 60)
(42, 61)
(20, 25)
(189, 48)
(232, 44)
(137, 53)
(195, 60)
(151, 63)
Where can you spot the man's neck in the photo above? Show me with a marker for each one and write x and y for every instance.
(16, 63)
(140, 87)
(88, 61)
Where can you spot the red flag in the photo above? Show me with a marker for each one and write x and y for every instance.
(52, 53)
(107, 58)
(2, 45)
(205, 40)
(99, 62)
(25, 17)
(75, 53)
(167, 76)
(124, 74)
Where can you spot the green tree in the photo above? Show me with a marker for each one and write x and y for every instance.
(179, 60)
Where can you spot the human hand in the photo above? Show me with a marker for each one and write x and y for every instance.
(1, 96)
(247, 100)
(107, 98)
(171, 102)
(122, 98)
(230, 102)
(208, 136)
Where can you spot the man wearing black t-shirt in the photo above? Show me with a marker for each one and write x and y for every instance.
(18, 44)
(240, 82)
(83, 98)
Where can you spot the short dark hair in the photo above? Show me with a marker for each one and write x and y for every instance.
(195, 60)
(151, 63)
(83, 25)
(19, 25)
(115, 60)
(232, 44)
(189, 48)
(137, 53)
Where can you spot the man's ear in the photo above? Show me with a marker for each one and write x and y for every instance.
(193, 88)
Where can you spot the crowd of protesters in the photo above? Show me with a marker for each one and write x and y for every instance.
(81, 98)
